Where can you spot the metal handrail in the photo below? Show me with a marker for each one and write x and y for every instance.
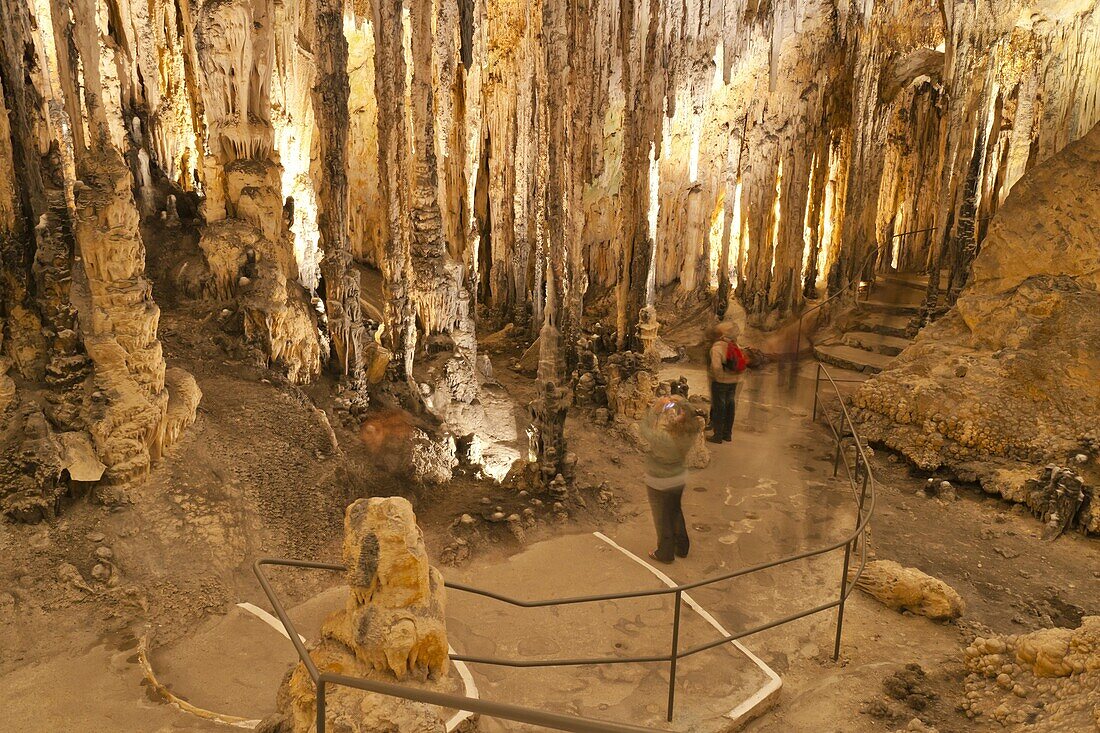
(862, 476)
(848, 286)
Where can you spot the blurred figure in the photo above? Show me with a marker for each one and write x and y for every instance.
(388, 434)
(725, 365)
(670, 426)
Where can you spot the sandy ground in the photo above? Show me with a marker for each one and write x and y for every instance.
(257, 476)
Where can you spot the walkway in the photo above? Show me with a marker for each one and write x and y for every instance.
(768, 494)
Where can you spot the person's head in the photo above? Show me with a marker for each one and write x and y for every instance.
(673, 413)
(725, 330)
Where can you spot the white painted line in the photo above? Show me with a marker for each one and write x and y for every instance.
(471, 691)
(268, 619)
(774, 682)
(463, 671)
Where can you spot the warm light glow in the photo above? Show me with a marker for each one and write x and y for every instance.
(895, 244)
(807, 234)
(654, 209)
(714, 240)
(696, 137)
(739, 239)
(828, 213)
(777, 211)
(292, 140)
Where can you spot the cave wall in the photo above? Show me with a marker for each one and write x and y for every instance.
(1007, 378)
(513, 162)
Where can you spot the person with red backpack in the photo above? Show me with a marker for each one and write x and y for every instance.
(725, 365)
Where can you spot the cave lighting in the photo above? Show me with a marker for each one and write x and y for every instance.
(696, 137)
(739, 239)
(807, 234)
(654, 208)
(714, 239)
(828, 214)
(777, 211)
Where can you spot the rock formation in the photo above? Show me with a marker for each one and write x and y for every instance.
(78, 309)
(908, 589)
(392, 628)
(496, 162)
(1007, 378)
(1048, 680)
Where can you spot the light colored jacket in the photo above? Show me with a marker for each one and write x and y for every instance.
(668, 450)
(717, 372)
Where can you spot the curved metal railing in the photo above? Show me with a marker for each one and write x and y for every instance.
(862, 483)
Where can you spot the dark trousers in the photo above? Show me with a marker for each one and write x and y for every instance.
(723, 405)
(668, 520)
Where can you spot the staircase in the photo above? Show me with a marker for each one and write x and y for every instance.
(879, 326)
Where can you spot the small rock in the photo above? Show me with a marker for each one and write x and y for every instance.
(523, 494)
(466, 519)
(513, 517)
(486, 500)
(101, 572)
(104, 553)
(559, 507)
(1081, 458)
(960, 371)
(497, 516)
(528, 512)
(244, 281)
(95, 536)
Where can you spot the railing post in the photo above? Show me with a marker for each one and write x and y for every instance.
(817, 382)
(840, 608)
(320, 705)
(673, 657)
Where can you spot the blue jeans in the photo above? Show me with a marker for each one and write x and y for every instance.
(723, 405)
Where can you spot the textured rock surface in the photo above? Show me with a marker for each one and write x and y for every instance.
(1048, 680)
(908, 589)
(392, 628)
(1010, 373)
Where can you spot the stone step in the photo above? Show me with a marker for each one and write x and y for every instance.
(847, 357)
(879, 343)
(878, 304)
(885, 324)
(907, 280)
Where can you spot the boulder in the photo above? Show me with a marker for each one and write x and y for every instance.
(908, 589)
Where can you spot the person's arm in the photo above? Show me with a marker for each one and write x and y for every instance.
(716, 358)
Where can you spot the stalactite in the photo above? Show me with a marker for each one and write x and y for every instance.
(331, 91)
(389, 85)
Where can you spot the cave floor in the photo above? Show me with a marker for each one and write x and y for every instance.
(255, 476)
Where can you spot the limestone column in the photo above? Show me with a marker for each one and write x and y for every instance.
(330, 103)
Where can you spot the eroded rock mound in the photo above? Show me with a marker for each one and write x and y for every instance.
(1048, 680)
(392, 629)
(1009, 374)
(908, 589)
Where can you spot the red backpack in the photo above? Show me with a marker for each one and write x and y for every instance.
(735, 360)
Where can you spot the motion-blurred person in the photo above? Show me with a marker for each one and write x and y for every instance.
(387, 434)
(725, 366)
(670, 426)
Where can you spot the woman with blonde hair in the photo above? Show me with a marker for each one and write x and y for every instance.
(670, 426)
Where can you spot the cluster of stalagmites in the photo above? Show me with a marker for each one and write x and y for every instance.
(1044, 681)
(1008, 377)
(392, 628)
